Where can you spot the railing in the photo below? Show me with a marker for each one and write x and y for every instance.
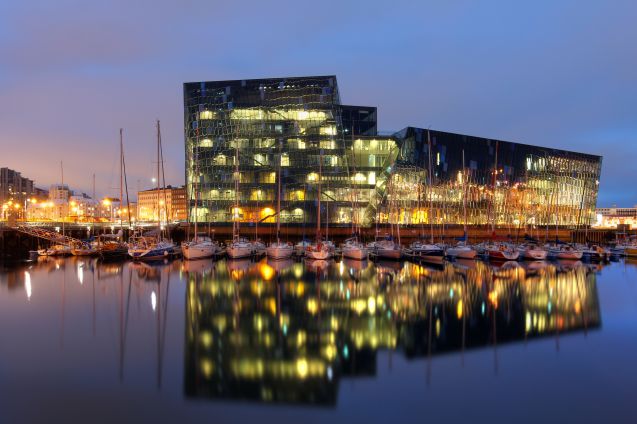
(53, 236)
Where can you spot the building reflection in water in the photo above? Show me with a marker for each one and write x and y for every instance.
(289, 331)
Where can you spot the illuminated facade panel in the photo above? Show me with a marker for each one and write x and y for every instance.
(295, 123)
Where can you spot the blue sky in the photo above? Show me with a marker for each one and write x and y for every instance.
(556, 73)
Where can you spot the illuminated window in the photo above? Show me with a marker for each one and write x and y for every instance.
(331, 130)
(206, 114)
(372, 178)
(260, 160)
(285, 160)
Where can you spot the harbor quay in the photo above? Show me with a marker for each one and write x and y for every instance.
(15, 245)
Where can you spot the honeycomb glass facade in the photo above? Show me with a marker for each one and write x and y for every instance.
(295, 123)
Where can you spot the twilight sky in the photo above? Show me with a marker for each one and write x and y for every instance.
(555, 73)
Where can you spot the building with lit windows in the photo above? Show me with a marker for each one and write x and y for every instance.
(162, 204)
(415, 176)
(14, 187)
(63, 204)
(616, 217)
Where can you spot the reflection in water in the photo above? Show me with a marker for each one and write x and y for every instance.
(290, 331)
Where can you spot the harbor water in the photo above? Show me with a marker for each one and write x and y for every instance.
(327, 341)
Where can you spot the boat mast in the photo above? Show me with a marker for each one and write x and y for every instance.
(67, 192)
(318, 209)
(196, 185)
(158, 205)
(464, 197)
(93, 215)
(235, 221)
(278, 197)
(421, 222)
(125, 186)
(121, 179)
(431, 222)
(163, 176)
(495, 179)
(351, 182)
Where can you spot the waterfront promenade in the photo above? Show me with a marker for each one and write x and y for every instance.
(15, 245)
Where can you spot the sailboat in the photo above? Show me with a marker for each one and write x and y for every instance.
(428, 252)
(112, 246)
(565, 251)
(462, 250)
(498, 251)
(352, 248)
(58, 249)
(279, 249)
(240, 247)
(152, 248)
(532, 251)
(199, 247)
(385, 247)
(319, 250)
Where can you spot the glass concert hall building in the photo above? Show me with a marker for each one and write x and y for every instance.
(414, 176)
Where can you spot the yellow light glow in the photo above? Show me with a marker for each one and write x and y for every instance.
(312, 306)
(301, 368)
(371, 305)
(493, 298)
(266, 271)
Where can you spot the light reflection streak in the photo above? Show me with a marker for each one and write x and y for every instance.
(27, 284)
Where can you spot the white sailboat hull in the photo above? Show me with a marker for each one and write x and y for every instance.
(236, 252)
(279, 251)
(320, 255)
(534, 254)
(359, 253)
(193, 251)
(461, 252)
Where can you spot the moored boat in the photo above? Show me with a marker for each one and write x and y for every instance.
(318, 251)
(144, 248)
(596, 253)
(426, 252)
(279, 250)
(502, 252)
(532, 252)
(84, 249)
(353, 249)
(461, 251)
(199, 248)
(565, 251)
(386, 249)
(240, 247)
(55, 250)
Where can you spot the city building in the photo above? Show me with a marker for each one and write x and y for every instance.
(62, 203)
(155, 203)
(615, 217)
(15, 190)
(414, 176)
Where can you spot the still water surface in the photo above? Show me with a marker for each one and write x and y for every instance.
(239, 341)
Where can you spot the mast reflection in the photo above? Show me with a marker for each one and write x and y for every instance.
(290, 332)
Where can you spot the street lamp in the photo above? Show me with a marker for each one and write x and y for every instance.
(107, 202)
